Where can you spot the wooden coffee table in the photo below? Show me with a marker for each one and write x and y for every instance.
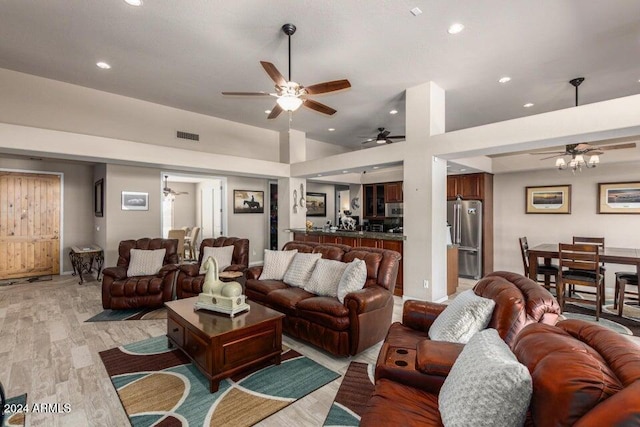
(221, 346)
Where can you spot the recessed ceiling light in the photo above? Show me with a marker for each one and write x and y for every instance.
(416, 11)
(455, 28)
(528, 105)
(393, 112)
(319, 174)
(462, 170)
(504, 79)
(331, 129)
(345, 171)
(103, 65)
(376, 167)
(267, 111)
(133, 2)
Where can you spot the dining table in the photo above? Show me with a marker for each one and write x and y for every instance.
(608, 255)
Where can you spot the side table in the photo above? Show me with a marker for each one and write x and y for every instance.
(82, 258)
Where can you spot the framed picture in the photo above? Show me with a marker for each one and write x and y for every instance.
(247, 201)
(548, 200)
(619, 198)
(98, 198)
(316, 204)
(135, 201)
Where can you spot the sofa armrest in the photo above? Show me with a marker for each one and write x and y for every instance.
(419, 315)
(236, 267)
(191, 270)
(166, 269)
(254, 272)
(437, 357)
(367, 299)
(118, 273)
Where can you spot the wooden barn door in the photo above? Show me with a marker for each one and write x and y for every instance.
(29, 225)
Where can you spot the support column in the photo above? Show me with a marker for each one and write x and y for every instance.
(425, 180)
(292, 150)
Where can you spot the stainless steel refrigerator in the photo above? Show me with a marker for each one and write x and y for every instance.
(465, 218)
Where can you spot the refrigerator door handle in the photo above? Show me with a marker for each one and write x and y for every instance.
(458, 223)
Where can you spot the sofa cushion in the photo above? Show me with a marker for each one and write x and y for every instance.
(300, 269)
(326, 277)
(276, 264)
(487, 386)
(467, 314)
(326, 311)
(285, 300)
(222, 254)
(372, 259)
(145, 262)
(353, 278)
(265, 286)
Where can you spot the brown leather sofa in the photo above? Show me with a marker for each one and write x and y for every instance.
(583, 375)
(341, 329)
(519, 302)
(122, 292)
(189, 282)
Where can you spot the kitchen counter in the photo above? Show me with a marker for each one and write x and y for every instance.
(346, 233)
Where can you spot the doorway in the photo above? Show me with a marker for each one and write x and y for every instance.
(29, 224)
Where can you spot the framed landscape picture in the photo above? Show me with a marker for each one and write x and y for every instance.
(316, 204)
(548, 200)
(619, 198)
(135, 201)
(248, 201)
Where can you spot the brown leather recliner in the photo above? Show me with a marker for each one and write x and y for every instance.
(519, 302)
(189, 283)
(122, 292)
(583, 375)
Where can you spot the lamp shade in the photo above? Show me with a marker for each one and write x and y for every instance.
(560, 163)
(289, 102)
(594, 160)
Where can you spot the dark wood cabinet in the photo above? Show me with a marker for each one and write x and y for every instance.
(393, 192)
(452, 187)
(470, 187)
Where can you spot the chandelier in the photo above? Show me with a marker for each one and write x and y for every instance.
(578, 162)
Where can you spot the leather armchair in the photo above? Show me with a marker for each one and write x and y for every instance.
(519, 302)
(190, 281)
(122, 292)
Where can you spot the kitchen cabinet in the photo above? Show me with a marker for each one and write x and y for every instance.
(470, 186)
(374, 200)
(393, 192)
(304, 237)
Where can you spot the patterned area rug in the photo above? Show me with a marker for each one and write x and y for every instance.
(159, 386)
(130, 314)
(628, 324)
(14, 417)
(353, 394)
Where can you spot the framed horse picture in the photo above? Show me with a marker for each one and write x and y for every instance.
(247, 201)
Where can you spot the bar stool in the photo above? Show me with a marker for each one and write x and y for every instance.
(624, 278)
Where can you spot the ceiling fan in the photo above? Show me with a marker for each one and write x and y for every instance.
(291, 95)
(383, 137)
(577, 151)
(166, 191)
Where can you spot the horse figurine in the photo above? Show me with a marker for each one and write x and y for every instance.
(252, 204)
(212, 284)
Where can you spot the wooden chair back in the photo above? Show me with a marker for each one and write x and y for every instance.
(580, 257)
(179, 235)
(524, 251)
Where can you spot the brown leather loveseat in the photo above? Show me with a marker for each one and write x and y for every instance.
(189, 282)
(341, 329)
(121, 292)
(583, 375)
(519, 302)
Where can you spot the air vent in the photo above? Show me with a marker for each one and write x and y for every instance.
(189, 136)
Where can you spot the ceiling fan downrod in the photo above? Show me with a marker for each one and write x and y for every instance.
(575, 83)
(289, 30)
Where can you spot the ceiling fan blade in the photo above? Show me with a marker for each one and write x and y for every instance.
(275, 111)
(616, 147)
(388, 141)
(273, 72)
(327, 87)
(595, 153)
(247, 93)
(396, 136)
(383, 134)
(551, 157)
(321, 108)
(548, 152)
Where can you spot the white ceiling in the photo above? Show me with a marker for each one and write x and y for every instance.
(183, 54)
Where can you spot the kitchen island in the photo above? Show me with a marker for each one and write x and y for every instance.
(371, 239)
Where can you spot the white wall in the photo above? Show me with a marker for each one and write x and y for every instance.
(511, 222)
(77, 208)
(318, 149)
(330, 190)
(249, 225)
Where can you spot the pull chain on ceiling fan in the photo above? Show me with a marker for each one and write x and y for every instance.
(291, 95)
(577, 151)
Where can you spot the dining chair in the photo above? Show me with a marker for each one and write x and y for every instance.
(582, 264)
(190, 242)
(547, 271)
(179, 234)
(599, 241)
(624, 279)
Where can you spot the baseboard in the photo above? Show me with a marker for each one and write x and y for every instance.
(439, 301)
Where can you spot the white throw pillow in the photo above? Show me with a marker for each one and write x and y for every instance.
(467, 314)
(326, 277)
(300, 269)
(487, 386)
(222, 254)
(144, 262)
(276, 264)
(353, 278)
